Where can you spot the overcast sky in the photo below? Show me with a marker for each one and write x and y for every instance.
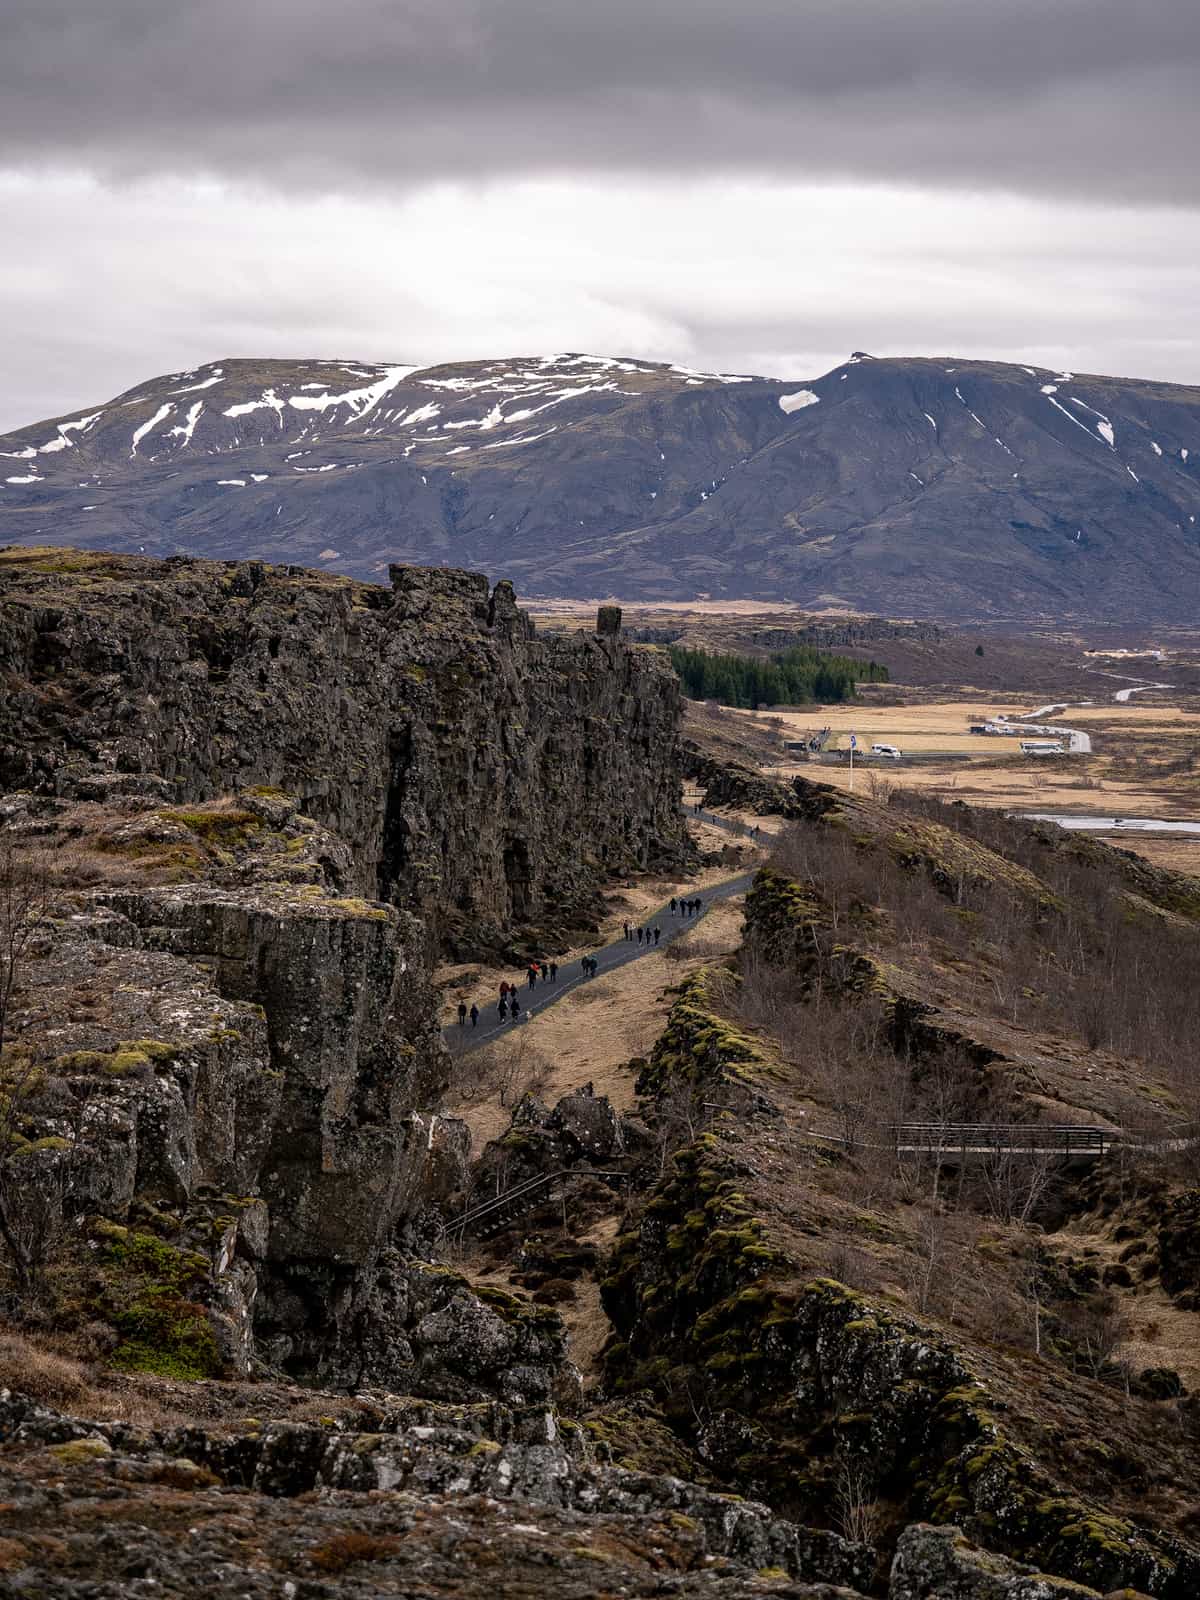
(756, 185)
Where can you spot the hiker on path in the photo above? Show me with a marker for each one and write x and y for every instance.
(554, 972)
(474, 1015)
(504, 991)
(516, 1007)
(674, 903)
(532, 977)
(626, 930)
(502, 1008)
(639, 936)
(657, 935)
(462, 1013)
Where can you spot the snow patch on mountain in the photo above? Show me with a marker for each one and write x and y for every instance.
(139, 434)
(270, 401)
(189, 426)
(797, 400)
(207, 384)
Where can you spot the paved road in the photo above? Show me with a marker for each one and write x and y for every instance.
(1143, 688)
(618, 954)
(730, 824)
(1108, 824)
(1078, 742)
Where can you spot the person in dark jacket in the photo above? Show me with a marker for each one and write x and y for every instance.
(502, 1008)
(474, 1015)
(462, 1013)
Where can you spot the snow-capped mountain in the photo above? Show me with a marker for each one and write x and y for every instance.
(915, 487)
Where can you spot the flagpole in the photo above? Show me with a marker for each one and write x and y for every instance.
(851, 763)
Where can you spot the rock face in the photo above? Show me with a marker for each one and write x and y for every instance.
(915, 488)
(939, 1562)
(482, 777)
(284, 793)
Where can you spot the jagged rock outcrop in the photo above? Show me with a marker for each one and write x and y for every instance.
(730, 783)
(459, 1499)
(940, 1564)
(589, 1518)
(482, 777)
(705, 1300)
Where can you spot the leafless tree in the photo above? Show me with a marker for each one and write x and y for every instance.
(1014, 1183)
(1097, 1330)
(681, 1115)
(856, 1507)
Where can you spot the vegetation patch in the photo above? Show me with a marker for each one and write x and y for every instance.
(699, 1045)
(150, 1293)
(797, 676)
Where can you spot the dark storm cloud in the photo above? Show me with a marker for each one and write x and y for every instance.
(1090, 97)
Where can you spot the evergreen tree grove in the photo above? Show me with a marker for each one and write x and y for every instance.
(793, 677)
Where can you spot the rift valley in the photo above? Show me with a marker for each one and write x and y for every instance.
(863, 1260)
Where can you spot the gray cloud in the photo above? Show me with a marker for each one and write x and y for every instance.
(117, 284)
(1089, 97)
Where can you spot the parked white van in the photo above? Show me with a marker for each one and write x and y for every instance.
(888, 751)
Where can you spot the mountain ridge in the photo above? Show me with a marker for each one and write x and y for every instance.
(916, 486)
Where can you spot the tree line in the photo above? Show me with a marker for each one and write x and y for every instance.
(792, 677)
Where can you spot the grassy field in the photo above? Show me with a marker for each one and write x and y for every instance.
(1145, 760)
(937, 727)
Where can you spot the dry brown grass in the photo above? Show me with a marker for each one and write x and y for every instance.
(44, 1367)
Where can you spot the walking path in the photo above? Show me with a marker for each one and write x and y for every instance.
(463, 1039)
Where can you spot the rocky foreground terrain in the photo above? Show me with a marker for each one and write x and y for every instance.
(928, 488)
(251, 1347)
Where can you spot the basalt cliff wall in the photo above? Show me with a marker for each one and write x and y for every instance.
(254, 804)
(483, 777)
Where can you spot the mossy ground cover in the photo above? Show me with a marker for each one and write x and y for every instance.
(150, 1290)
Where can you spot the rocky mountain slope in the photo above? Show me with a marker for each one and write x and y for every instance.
(958, 489)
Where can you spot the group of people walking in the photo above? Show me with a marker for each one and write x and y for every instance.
(545, 972)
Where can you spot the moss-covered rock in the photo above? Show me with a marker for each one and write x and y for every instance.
(700, 1046)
